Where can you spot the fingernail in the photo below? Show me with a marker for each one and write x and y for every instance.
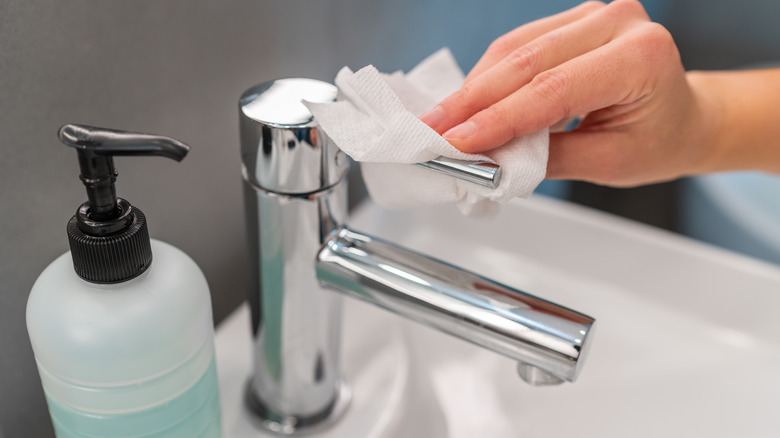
(433, 117)
(464, 130)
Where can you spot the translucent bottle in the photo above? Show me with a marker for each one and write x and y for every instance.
(121, 325)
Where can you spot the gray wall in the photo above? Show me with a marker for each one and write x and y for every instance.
(176, 67)
(726, 34)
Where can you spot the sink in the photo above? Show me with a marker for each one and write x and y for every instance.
(685, 343)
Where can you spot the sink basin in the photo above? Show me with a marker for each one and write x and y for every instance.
(685, 344)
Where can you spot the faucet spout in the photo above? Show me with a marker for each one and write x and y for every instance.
(548, 341)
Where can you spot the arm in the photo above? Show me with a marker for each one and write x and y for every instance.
(646, 119)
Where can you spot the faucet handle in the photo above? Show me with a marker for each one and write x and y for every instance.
(483, 173)
(279, 134)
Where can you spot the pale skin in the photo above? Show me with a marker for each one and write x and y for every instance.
(646, 119)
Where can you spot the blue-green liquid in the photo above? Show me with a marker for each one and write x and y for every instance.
(193, 414)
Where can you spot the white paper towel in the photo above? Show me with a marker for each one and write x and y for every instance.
(375, 121)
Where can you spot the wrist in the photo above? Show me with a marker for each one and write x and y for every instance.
(710, 136)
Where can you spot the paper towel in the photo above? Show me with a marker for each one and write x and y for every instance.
(375, 121)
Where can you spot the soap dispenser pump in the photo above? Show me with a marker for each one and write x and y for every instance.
(121, 324)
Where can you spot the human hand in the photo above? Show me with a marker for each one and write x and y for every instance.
(643, 121)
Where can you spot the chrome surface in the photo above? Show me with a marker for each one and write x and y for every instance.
(535, 376)
(295, 194)
(294, 197)
(296, 380)
(482, 173)
(281, 149)
(537, 333)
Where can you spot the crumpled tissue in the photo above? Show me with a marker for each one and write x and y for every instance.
(375, 121)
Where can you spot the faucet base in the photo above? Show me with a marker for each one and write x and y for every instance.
(282, 424)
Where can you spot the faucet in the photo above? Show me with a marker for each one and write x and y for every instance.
(301, 251)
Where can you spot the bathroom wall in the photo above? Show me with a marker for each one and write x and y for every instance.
(726, 34)
(176, 67)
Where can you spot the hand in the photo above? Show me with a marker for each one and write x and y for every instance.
(643, 121)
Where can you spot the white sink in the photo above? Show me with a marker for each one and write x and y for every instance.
(685, 346)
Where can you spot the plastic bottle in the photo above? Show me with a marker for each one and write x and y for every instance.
(121, 325)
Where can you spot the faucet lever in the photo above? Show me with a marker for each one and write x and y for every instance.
(483, 173)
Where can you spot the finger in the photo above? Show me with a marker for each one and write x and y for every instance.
(521, 65)
(614, 74)
(528, 32)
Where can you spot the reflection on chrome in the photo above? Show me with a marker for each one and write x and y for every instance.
(518, 325)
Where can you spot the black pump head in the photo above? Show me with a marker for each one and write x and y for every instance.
(96, 148)
(109, 238)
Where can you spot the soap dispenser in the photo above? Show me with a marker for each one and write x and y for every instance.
(121, 324)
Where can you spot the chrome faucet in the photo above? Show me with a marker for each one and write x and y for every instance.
(301, 250)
